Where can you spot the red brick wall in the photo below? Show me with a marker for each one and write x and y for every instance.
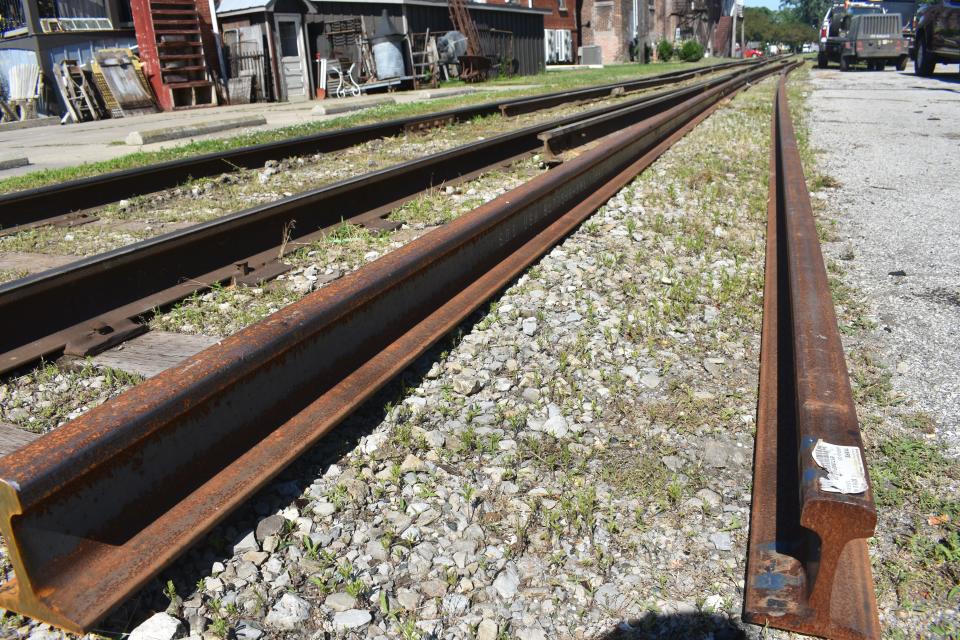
(607, 23)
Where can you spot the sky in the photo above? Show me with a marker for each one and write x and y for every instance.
(769, 4)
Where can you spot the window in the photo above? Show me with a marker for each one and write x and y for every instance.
(288, 39)
(562, 5)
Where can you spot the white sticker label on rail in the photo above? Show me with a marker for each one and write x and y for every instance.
(844, 465)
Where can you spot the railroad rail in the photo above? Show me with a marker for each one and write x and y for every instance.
(808, 569)
(94, 509)
(64, 203)
(92, 304)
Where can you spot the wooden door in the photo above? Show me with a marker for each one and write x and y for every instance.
(293, 58)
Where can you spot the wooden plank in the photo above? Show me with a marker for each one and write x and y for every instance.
(153, 352)
(32, 262)
(13, 437)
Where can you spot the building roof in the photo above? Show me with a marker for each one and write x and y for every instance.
(243, 6)
(512, 7)
(236, 7)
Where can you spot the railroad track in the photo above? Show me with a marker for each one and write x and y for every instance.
(68, 202)
(808, 568)
(90, 305)
(93, 510)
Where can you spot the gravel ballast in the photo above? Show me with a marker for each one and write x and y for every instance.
(575, 464)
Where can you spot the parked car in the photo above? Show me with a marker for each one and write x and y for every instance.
(808, 47)
(836, 23)
(876, 40)
(937, 36)
(752, 53)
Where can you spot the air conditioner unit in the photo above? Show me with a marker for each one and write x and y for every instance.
(590, 54)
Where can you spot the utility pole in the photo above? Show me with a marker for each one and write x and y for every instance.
(733, 31)
(743, 40)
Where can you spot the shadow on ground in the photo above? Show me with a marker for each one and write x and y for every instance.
(939, 74)
(681, 626)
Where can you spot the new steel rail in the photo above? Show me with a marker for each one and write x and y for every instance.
(59, 203)
(94, 509)
(87, 306)
(808, 569)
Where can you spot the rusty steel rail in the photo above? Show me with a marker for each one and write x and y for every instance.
(85, 307)
(95, 509)
(808, 569)
(536, 103)
(59, 203)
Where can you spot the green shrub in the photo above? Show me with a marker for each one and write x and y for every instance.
(664, 51)
(691, 51)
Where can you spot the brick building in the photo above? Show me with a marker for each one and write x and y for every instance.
(612, 24)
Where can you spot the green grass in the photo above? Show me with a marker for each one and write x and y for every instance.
(913, 478)
(546, 82)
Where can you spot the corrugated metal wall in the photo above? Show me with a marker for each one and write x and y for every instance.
(527, 31)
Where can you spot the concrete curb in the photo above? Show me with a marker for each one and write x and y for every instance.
(137, 138)
(13, 163)
(343, 105)
(433, 94)
(28, 124)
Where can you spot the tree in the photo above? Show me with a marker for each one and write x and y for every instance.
(809, 12)
(758, 24)
(763, 25)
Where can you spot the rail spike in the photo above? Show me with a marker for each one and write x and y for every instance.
(808, 569)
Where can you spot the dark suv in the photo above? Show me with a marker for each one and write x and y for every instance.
(938, 36)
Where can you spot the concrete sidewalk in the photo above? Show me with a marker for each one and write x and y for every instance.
(69, 145)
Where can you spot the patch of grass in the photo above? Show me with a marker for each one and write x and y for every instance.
(913, 477)
(222, 310)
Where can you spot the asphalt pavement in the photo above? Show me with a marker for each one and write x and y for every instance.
(892, 140)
